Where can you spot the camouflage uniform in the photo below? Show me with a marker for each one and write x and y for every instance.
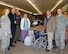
(5, 27)
(61, 23)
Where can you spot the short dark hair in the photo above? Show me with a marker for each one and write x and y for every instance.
(59, 8)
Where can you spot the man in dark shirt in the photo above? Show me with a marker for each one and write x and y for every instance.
(13, 25)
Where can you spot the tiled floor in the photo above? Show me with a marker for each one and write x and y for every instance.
(21, 49)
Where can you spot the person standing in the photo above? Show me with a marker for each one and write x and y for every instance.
(17, 34)
(61, 23)
(25, 26)
(5, 30)
(49, 27)
(12, 18)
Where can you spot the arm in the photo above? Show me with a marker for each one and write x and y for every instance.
(29, 24)
(4, 25)
(66, 21)
(21, 24)
(19, 19)
(54, 23)
(44, 24)
(10, 17)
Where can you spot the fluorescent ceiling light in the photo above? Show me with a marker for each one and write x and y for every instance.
(11, 6)
(36, 13)
(56, 5)
(34, 6)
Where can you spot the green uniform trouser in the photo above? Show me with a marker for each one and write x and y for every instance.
(5, 42)
(17, 34)
(60, 39)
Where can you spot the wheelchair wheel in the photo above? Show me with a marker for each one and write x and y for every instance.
(33, 42)
(40, 44)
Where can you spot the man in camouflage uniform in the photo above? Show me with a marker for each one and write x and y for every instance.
(61, 24)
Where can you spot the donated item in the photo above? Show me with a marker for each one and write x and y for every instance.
(37, 34)
(39, 41)
(30, 32)
(28, 41)
(35, 23)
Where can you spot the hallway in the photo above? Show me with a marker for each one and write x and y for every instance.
(19, 17)
(21, 49)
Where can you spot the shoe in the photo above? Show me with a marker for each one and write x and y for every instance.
(48, 50)
(23, 41)
(18, 40)
(8, 48)
(15, 41)
(65, 42)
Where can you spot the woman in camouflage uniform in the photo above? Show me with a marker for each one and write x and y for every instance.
(5, 30)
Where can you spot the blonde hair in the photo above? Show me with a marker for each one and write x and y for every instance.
(5, 10)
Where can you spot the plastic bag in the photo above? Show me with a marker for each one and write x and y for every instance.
(28, 41)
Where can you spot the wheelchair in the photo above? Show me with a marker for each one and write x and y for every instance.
(39, 41)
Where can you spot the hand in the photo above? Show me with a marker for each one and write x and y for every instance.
(28, 28)
(42, 31)
(15, 22)
(6, 34)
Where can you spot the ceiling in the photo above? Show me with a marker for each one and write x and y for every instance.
(42, 5)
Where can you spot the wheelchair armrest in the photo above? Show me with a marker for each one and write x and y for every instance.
(43, 34)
